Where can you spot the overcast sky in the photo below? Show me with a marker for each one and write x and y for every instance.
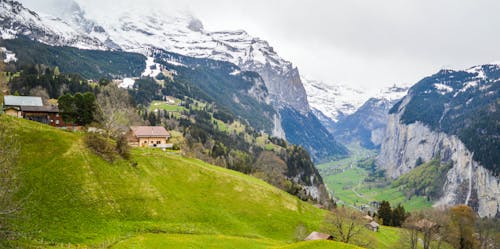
(362, 43)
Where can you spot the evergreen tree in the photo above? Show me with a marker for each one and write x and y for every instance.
(399, 215)
(67, 107)
(385, 213)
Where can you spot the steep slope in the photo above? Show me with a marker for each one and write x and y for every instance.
(70, 195)
(452, 116)
(308, 131)
(367, 125)
(91, 64)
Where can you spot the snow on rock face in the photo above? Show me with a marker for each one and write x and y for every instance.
(17, 20)
(127, 83)
(443, 89)
(9, 55)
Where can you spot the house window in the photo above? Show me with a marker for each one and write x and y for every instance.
(158, 142)
(57, 122)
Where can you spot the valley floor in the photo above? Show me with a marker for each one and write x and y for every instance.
(346, 178)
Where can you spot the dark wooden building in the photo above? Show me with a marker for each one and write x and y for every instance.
(32, 108)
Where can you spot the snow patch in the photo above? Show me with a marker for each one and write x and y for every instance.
(152, 68)
(175, 63)
(443, 89)
(9, 55)
(468, 85)
(477, 70)
(7, 34)
(235, 72)
(127, 83)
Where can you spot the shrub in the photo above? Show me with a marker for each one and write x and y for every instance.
(122, 147)
(102, 146)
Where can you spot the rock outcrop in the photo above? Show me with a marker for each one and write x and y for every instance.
(467, 182)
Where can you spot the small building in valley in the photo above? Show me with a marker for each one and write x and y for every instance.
(319, 236)
(149, 136)
(374, 226)
(32, 108)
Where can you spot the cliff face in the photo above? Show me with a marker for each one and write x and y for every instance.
(467, 182)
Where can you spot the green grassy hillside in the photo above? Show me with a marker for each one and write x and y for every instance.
(72, 197)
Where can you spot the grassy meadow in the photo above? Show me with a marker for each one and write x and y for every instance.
(74, 199)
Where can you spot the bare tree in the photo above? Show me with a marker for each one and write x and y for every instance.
(9, 206)
(486, 229)
(410, 233)
(115, 110)
(345, 225)
(3, 84)
(40, 92)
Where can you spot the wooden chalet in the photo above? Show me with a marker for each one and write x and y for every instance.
(149, 136)
(32, 108)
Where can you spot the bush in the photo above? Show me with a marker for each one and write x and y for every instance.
(122, 147)
(102, 146)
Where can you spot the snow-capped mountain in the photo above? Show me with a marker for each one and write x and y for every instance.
(337, 101)
(179, 33)
(350, 114)
(186, 35)
(334, 101)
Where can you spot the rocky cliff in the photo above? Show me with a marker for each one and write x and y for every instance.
(431, 132)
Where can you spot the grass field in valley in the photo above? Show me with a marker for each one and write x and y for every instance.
(73, 198)
(347, 181)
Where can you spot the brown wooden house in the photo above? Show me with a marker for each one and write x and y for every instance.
(149, 136)
(32, 108)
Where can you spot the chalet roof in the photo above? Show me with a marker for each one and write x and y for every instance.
(318, 236)
(10, 100)
(373, 224)
(149, 131)
(49, 109)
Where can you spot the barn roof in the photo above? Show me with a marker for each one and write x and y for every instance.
(150, 131)
(51, 109)
(318, 236)
(10, 100)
